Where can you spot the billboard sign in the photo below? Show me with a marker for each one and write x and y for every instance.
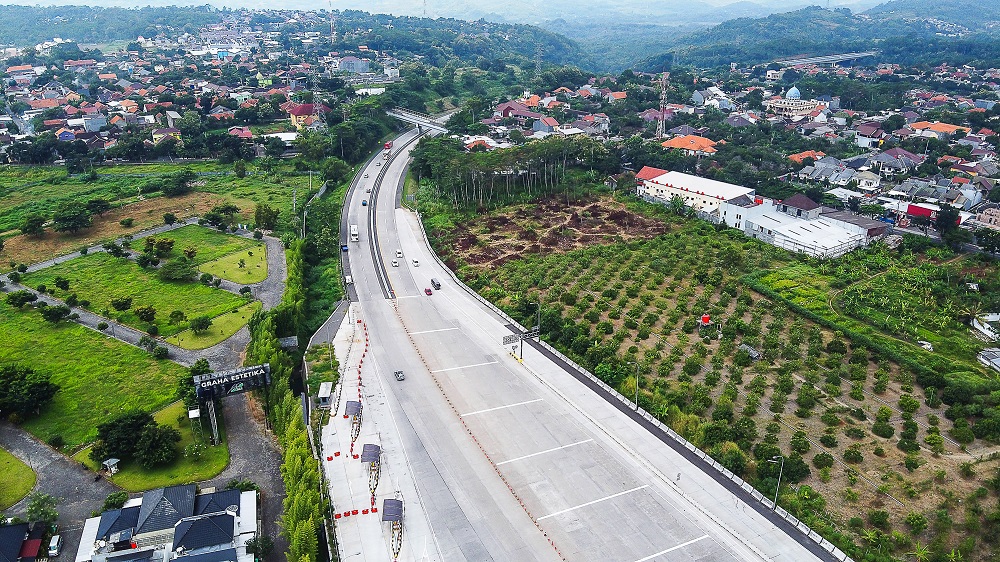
(235, 381)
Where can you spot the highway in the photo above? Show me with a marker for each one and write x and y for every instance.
(509, 460)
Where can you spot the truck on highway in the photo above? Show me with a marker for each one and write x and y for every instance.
(354, 233)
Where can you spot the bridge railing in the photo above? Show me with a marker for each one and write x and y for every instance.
(615, 395)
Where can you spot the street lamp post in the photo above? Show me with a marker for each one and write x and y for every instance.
(781, 469)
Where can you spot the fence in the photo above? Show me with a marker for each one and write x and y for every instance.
(612, 394)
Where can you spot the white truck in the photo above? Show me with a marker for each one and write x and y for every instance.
(354, 233)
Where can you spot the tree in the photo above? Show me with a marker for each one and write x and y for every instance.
(54, 314)
(23, 391)
(18, 299)
(987, 238)
(145, 313)
(70, 217)
(42, 508)
(33, 224)
(98, 206)
(265, 217)
(240, 168)
(177, 316)
(261, 546)
(947, 219)
(156, 446)
(169, 218)
(200, 324)
(121, 303)
(163, 246)
(117, 437)
(177, 269)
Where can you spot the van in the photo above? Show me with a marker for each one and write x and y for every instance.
(348, 280)
(399, 253)
(55, 545)
(436, 284)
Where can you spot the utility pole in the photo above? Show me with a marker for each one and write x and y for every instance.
(774, 460)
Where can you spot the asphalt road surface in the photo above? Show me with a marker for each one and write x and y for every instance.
(520, 461)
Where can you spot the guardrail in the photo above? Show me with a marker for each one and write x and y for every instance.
(614, 394)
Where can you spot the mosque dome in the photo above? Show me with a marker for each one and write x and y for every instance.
(793, 93)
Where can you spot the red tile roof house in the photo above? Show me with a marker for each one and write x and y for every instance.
(241, 132)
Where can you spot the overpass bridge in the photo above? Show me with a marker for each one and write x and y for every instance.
(421, 120)
(827, 59)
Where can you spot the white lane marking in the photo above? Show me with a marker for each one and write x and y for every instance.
(432, 331)
(500, 407)
(682, 545)
(545, 451)
(406, 297)
(465, 367)
(612, 496)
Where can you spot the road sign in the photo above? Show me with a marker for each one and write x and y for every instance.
(514, 338)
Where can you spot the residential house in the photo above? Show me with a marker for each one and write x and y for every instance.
(174, 523)
(613, 97)
(869, 134)
(65, 135)
(241, 132)
(692, 145)
(989, 217)
(305, 114)
(162, 134)
(545, 124)
(941, 131)
(798, 158)
(353, 65)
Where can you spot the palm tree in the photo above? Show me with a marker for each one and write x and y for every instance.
(955, 555)
(920, 553)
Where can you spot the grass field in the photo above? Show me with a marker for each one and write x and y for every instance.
(18, 479)
(100, 278)
(254, 269)
(223, 327)
(96, 375)
(211, 243)
(185, 469)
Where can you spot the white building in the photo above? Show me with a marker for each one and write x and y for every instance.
(800, 225)
(701, 194)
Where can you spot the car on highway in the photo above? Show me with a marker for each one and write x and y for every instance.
(416, 262)
(368, 190)
(428, 291)
(364, 202)
(378, 164)
(343, 247)
(436, 284)
(395, 263)
(366, 175)
(399, 253)
(399, 375)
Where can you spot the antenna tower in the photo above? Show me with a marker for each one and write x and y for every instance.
(425, 8)
(333, 20)
(660, 121)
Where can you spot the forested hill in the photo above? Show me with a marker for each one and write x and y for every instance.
(817, 31)
(972, 14)
(438, 40)
(28, 25)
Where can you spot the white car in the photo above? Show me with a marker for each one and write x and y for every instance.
(395, 263)
(416, 263)
(399, 253)
(368, 190)
(366, 175)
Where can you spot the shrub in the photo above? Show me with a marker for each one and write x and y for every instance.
(102, 326)
(853, 455)
(115, 500)
(828, 440)
(160, 352)
(127, 222)
(57, 441)
(121, 303)
(879, 518)
(917, 522)
(258, 234)
(823, 460)
(800, 443)
(145, 313)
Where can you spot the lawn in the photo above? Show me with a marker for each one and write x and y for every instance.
(18, 479)
(253, 268)
(185, 469)
(96, 375)
(223, 327)
(210, 243)
(99, 278)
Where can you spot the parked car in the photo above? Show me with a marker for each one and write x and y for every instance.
(55, 545)
(399, 375)
(428, 291)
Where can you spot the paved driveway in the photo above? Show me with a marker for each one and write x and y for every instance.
(79, 494)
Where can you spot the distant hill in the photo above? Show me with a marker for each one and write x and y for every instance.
(892, 28)
(973, 14)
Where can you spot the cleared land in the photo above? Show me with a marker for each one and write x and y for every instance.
(245, 267)
(186, 469)
(96, 374)
(621, 285)
(18, 479)
(99, 278)
(223, 327)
